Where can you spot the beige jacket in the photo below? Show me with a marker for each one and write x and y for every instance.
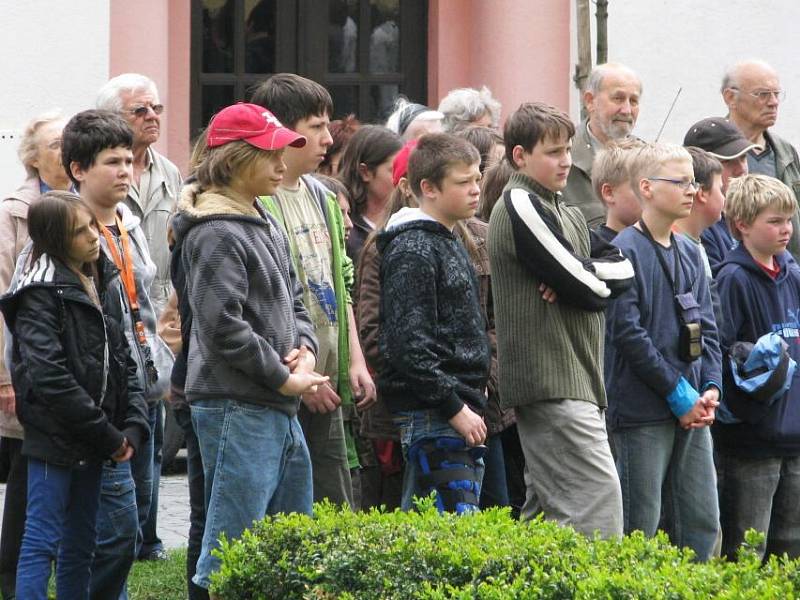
(13, 237)
(155, 212)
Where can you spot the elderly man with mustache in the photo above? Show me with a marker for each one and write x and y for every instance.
(612, 102)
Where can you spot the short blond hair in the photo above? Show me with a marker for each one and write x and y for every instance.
(218, 166)
(750, 195)
(612, 164)
(647, 160)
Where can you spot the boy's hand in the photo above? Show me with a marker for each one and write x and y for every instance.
(301, 360)
(470, 425)
(124, 453)
(699, 416)
(362, 386)
(322, 399)
(7, 399)
(301, 383)
(548, 294)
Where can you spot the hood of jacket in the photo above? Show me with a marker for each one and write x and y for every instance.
(407, 219)
(740, 256)
(51, 272)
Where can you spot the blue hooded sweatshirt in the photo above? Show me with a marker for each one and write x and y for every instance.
(646, 381)
(755, 304)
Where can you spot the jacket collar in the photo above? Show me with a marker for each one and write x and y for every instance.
(782, 158)
(520, 180)
(198, 204)
(582, 150)
(158, 179)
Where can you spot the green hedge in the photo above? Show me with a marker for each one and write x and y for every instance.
(362, 556)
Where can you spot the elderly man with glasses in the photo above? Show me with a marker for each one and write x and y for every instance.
(751, 90)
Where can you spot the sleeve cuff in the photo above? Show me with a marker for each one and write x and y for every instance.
(451, 407)
(682, 398)
(714, 384)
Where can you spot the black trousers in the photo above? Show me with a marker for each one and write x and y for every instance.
(13, 527)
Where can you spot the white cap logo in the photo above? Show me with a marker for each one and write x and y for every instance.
(270, 118)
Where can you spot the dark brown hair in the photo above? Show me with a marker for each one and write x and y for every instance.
(705, 166)
(494, 181)
(341, 131)
(532, 122)
(370, 145)
(484, 139)
(51, 225)
(434, 155)
(334, 185)
(292, 98)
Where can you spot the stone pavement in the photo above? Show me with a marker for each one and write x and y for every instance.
(173, 510)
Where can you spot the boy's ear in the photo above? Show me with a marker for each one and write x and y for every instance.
(701, 195)
(428, 188)
(76, 170)
(517, 154)
(645, 188)
(742, 227)
(607, 193)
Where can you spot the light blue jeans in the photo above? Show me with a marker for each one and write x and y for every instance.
(415, 426)
(664, 467)
(255, 462)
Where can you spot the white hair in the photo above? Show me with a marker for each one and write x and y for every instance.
(730, 79)
(27, 151)
(108, 98)
(595, 82)
(402, 105)
(462, 106)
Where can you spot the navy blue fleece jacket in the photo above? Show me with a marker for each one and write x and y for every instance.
(754, 304)
(646, 381)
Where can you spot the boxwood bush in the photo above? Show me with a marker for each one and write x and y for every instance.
(488, 556)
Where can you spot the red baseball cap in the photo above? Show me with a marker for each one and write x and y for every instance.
(400, 162)
(252, 124)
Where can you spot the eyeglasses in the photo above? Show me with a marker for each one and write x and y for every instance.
(141, 111)
(765, 95)
(685, 185)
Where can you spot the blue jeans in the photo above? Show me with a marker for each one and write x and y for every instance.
(142, 472)
(762, 494)
(60, 525)
(415, 426)
(664, 467)
(255, 462)
(117, 532)
(494, 491)
(150, 541)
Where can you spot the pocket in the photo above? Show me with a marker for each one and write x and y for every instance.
(688, 306)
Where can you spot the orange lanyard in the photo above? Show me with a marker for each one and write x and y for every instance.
(125, 266)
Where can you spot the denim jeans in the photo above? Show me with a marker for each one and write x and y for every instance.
(197, 502)
(494, 491)
(664, 467)
(60, 525)
(416, 426)
(762, 494)
(143, 477)
(150, 541)
(255, 462)
(117, 529)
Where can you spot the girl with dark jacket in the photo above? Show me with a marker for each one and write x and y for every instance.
(78, 397)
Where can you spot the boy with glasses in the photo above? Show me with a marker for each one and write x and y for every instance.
(663, 373)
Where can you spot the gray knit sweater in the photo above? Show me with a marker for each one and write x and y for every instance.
(547, 351)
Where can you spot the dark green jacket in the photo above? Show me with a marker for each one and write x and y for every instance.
(579, 191)
(787, 167)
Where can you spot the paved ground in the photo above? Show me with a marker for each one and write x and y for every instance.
(173, 510)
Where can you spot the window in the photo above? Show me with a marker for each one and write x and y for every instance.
(365, 52)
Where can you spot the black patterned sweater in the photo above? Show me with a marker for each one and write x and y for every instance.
(433, 338)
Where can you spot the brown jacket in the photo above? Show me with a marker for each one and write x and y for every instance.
(13, 237)
(377, 422)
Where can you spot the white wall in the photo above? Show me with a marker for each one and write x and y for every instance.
(54, 55)
(688, 44)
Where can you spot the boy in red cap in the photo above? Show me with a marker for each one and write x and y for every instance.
(251, 344)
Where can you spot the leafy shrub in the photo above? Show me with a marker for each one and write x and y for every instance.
(487, 556)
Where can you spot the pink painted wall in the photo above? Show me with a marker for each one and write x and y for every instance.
(521, 50)
(152, 37)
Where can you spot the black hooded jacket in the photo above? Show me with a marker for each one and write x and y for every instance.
(75, 382)
(433, 342)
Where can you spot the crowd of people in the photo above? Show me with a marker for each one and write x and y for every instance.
(559, 318)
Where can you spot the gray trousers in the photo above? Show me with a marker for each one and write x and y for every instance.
(569, 471)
